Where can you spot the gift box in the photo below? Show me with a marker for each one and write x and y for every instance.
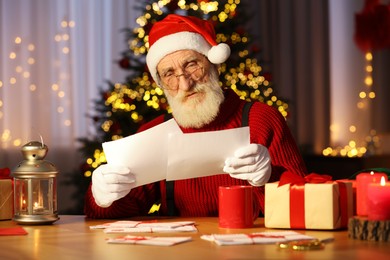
(308, 204)
(353, 182)
(6, 199)
(6, 194)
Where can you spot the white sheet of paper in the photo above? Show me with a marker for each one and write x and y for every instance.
(203, 154)
(164, 152)
(145, 153)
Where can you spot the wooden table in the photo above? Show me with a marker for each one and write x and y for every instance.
(70, 238)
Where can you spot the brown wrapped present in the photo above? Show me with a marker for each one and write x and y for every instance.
(6, 199)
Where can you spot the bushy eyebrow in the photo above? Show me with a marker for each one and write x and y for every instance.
(189, 59)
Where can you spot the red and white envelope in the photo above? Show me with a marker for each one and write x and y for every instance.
(148, 240)
(256, 238)
(126, 226)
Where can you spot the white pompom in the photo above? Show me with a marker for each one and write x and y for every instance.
(219, 53)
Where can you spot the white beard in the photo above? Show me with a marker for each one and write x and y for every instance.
(196, 113)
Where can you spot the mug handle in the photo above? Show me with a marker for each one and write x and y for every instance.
(256, 207)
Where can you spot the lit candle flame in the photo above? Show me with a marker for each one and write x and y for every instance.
(383, 181)
(35, 204)
(372, 172)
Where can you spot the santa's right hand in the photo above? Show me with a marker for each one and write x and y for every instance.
(110, 183)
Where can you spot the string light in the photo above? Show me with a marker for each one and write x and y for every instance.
(23, 68)
(371, 141)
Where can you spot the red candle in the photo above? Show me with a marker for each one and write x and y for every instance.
(362, 182)
(378, 195)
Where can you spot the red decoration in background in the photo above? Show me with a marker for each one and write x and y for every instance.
(128, 100)
(372, 26)
(124, 63)
(240, 30)
(5, 173)
(115, 128)
(267, 76)
(106, 95)
(172, 5)
(234, 13)
(255, 48)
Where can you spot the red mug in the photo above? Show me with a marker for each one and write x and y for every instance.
(236, 207)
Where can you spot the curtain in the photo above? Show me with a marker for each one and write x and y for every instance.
(54, 57)
(294, 40)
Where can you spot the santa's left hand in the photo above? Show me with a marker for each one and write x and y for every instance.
(251, 163)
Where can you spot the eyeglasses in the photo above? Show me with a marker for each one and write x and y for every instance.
(192, 70)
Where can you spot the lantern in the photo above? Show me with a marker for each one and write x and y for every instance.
(35, 187)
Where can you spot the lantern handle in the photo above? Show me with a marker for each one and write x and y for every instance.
(43, 145)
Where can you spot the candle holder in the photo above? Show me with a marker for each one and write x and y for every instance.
(35, 187)
(372, 230)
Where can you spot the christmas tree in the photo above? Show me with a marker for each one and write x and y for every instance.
(123, 107)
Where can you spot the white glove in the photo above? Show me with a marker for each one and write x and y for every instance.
(251, 163)
(110, 183)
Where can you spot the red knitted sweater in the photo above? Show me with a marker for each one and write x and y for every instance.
(199, 196)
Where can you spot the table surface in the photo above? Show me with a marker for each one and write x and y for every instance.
(71, 238)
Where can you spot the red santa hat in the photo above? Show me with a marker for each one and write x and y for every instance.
(176, 32)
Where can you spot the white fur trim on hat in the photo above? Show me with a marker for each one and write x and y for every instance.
(171, 43)
(184, 41)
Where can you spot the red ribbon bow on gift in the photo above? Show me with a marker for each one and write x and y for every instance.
(297, 196)
(5, 173)
(295, 179)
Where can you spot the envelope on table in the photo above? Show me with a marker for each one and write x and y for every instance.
(126, 226)
(148, 240)
(326, 206)
(256, 238)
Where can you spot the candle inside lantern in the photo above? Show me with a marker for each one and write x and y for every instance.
(362, 182)
(378, 195)
(37, 208)
(23, 204)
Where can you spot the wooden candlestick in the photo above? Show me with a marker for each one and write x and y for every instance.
(372, 230)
